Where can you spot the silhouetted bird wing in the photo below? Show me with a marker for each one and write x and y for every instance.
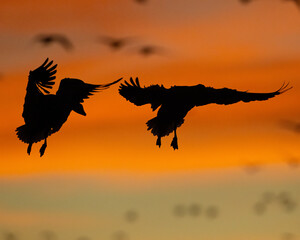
(133, 92)
(42, 78)
(205, 95)
(74, 91)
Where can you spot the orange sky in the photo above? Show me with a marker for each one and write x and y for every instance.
(218, 45)
(100, 166)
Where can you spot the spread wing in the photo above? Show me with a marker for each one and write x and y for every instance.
(42, 78)
(74, 91)
(206, 95)
(134, 93)
(77, 90)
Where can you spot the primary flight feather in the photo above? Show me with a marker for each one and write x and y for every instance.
(45, 113)
(177, 101)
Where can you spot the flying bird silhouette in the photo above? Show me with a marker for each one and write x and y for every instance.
(48, 39)
(141, 1)
(114, 43)
(148, 50)
(291, 125)
(177, 101)
(45, 113)
(245, 1)
(297, 2)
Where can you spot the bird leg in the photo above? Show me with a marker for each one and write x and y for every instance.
(158, 141)
(174, 142)
(29, 148)
(43, 148)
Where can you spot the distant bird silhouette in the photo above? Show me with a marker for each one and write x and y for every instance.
(260, 208)
(45, 113)
(179, 210)
(10, 236)
(48, 235)
(297, 2)
(293, 162)
(120, 235)
(177, 101)
(245, 1)
(141, 1)
(150, 50)
(291, 125)
(48, 39)
(114, 43)
(252, 168)
(194, 209)
(288, 236)
(131, 216)
(212, 212)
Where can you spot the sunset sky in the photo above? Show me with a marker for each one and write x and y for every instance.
(99, 166)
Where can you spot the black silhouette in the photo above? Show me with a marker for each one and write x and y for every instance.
(177, 101)
(114, 43)
(45, 113)
(48, 39)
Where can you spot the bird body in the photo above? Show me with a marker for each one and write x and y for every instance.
(177, 101)
(45, 113)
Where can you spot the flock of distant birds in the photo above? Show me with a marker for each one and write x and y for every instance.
(295, 1)
(113, 43)
(268, 199)
(282, 199)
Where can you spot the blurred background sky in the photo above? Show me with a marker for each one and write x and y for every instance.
(236, 173)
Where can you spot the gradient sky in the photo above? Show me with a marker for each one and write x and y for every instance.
(108, 157)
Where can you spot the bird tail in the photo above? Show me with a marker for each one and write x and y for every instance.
(29, 135)
(161, 128)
